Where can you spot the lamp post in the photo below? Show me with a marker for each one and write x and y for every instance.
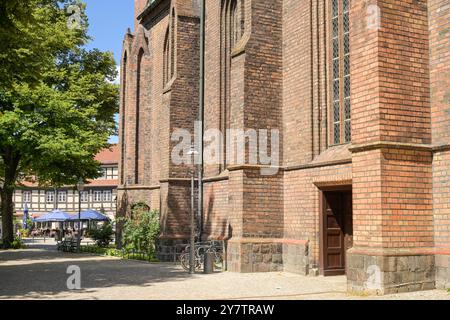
(192, 152)
(80, 188)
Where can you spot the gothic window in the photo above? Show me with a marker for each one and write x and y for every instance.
(232, 30)
(124, 99)
(341, 130)
(172, 44)
(237, 21)
(169, 50)
(138, 113)
(166, 67)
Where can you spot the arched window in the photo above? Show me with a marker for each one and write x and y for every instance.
(169, 55)
(237, 21)
(341, 129)
(232, 30)
(166, 65)
(172, 44)
(138, 115)
(124, 109)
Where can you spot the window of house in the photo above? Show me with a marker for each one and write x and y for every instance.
(97, 196)
(340, 46)
(50, 197)
(84, 196)
(107, 196)
(62, 196)
(102, 172)
(26, 197)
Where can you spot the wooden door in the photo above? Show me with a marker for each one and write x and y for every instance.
(337, 235)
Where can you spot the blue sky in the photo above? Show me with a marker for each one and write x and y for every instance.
(108, 22)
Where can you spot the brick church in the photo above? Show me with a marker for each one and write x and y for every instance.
(357, 92)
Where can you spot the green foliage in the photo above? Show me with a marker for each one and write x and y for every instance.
(103, 236)
(142, 230)
(57, 100)
(32, 34)
(18, 244)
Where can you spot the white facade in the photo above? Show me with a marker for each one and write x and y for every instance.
(100, 195)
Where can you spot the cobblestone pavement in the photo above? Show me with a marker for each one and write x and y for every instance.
(40, 273)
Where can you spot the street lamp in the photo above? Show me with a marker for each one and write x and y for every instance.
(192, 152)
(80, 188)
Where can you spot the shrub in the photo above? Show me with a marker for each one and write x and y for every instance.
(142, 230)
(18, 244)
(102, 236)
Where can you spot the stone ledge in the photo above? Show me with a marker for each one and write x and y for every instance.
(390, 145)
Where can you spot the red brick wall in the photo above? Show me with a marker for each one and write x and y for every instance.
(364, 76)
(441, 196)
(392, 183)
(216, 210)
(297, 82)
(164, 107)
(139, 6)
(439, 15)
(279, 79)
(301, 202)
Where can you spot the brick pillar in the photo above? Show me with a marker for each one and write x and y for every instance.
(256, 199)
(181, 95)
(392, 154)
(439, 15)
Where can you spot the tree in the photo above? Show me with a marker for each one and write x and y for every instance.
(57, 104)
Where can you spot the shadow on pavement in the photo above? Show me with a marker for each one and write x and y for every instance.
(33, 274)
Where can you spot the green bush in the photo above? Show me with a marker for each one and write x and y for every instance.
(103, 236)
(18, 244)
(142, 230)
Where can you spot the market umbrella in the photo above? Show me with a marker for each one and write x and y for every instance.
(54, 216)
(91, 215)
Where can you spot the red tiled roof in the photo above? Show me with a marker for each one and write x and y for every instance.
(102, 183)
(106, 156)
(109, 156)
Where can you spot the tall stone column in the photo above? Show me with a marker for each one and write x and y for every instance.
(392, 152)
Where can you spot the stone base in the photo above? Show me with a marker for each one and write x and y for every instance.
(442, 271)
(382, 274)
(296, 257)
(267, 255)
(254, 255)
(169, 250)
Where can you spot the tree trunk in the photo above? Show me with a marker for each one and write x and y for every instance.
(7, 216)
(11, 162)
